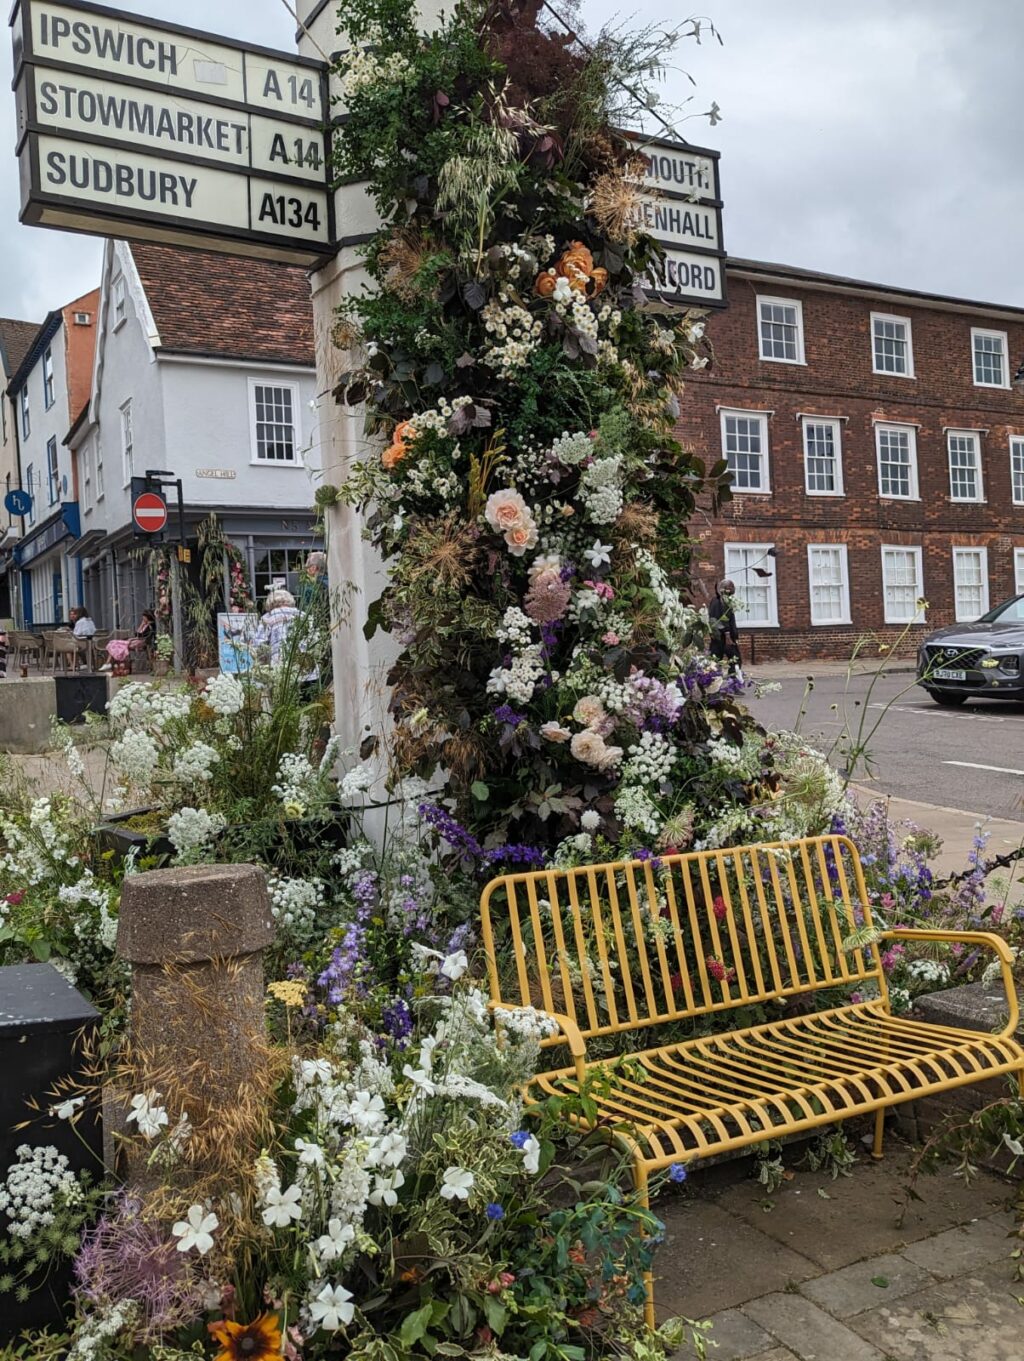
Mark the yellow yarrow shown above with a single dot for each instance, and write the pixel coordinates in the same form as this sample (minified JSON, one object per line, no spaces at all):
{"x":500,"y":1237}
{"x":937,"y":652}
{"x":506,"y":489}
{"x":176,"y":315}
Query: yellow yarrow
{"x":289,"y":991}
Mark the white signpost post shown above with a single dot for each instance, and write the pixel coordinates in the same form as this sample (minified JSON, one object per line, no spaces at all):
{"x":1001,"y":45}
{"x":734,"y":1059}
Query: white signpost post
{"x":157,"y":132}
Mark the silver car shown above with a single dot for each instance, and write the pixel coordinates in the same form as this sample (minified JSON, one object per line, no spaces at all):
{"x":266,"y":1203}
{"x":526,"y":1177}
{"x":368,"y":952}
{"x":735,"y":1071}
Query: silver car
{"x":984,"y":660}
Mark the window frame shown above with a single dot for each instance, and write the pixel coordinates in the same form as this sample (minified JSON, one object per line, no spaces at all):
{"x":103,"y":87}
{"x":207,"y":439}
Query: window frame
{"x":837,"y":440}
{"x":915,"y":486}
{"x":1014,"y":498}
{"x":919,"y":616}
{"x":30,"y":473}
{"x":98,"y":466}
{"x":119,"y":293}
{"x":297,"y":460}
{"x":127,"y":442}
{"x":975,"y":435}
{"x":1004,"y":337}
{"x":26,"y":417}
{"x":908,"y":324}
{"x":1018,"y":571}
{"x":49,"y":388}
{"x":795,"y":303}
{"x":760,"y":550}
{"x":52,"y":471}
{"x":765,"y":489}
{"x":85,"y":467}
{"x":959,"y":550}
{"x":844,"y":584}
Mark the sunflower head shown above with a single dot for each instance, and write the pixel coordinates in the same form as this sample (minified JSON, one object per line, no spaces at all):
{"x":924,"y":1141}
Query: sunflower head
{"x":256,"y":1341}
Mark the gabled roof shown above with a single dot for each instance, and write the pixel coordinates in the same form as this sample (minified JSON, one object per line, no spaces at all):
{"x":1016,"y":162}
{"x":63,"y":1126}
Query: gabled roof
{"x":223,"y":307}
{"x":15,"y":342}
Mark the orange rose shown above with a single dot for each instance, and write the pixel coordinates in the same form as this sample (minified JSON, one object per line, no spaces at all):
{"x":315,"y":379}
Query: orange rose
{"x":393,"y":455}
{"x":403,"y":432}
{"x":577,"y":259}
{"x":545,"y":285}
{"x":599,"y":281}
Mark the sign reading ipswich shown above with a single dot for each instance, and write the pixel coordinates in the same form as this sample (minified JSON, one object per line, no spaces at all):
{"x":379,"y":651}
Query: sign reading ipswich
{"x":156,"y":132}
{"x":682,"y":210}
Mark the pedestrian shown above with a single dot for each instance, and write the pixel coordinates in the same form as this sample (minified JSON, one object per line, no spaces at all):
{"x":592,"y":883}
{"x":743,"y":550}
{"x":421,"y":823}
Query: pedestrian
{"x":282,"y":630}
{"x":313,"y":580}
{"x":145,"y":633}
{"x":725,"y":636}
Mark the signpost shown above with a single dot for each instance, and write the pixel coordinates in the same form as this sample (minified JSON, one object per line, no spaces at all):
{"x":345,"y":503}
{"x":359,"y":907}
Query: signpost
{"x":18,"y":502}
{"x":149,"y":131}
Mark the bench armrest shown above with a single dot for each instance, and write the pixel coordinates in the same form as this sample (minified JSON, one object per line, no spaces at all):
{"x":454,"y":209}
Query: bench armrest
{"x":568,"y":1027}
{"x":990,"y":941}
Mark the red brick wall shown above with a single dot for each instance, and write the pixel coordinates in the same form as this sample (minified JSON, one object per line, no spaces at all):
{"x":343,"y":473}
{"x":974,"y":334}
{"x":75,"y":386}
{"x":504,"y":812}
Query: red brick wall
{"x":838,"y":381}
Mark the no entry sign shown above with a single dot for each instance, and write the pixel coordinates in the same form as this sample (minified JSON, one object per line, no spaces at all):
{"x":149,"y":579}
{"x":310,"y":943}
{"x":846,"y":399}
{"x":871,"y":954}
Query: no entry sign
{"x":150,"y":512}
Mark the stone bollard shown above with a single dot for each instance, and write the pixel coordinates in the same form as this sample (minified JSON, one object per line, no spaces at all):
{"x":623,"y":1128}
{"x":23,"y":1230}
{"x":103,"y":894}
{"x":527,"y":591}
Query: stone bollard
{"x":194,"y":938}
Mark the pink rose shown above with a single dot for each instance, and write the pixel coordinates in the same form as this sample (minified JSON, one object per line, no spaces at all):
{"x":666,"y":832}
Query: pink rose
{"x":610,"y":639}
{"x":554,"y":732}
{"x":506,"y":510}
{"x":589,"y":747}
{"x":589,"y":711}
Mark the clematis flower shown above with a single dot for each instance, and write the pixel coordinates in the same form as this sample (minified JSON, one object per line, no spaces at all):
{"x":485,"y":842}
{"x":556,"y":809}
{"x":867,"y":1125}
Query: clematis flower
{"x":385,"y":1189}
{"x":148,"y":1116}
{"x":599,"y":554}
{"x":332,"y":1308}
{"x":196,"y":1230}
{"x":531,"y":1155}
{"x":281,"y":1207}
{"x":331,"y":1245}
{"x":310,"y":1154}
{"x":455,"y":965}
{"x":457,"y":1183}
{"x":256,"y":1341}
{"x":67,"y":1109}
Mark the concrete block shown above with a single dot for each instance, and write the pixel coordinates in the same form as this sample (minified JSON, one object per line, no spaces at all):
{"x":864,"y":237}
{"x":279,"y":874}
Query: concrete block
{"x":960,"y":1251}
{"x":857,"y":1288}
{"x":27,"y":709}
{"x":736,"y":1337}
{"x":808,"y":1331}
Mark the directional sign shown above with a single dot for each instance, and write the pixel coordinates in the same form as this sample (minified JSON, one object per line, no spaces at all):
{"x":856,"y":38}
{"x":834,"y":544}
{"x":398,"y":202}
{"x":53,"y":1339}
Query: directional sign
{"x":150,"y":512}
{"x":18,"y":502}
{"x":157,"y":132}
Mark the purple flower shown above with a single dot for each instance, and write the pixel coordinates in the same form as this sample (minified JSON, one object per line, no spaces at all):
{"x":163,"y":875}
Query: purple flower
{"x":398,"y":1021}
{"x":506,"y":714}
{"x":515,"y":855}
{"x":677,"y":1172}
{"x":495,"y":1211}
{"x":451,"y":831}
{"x":519,"y":1138}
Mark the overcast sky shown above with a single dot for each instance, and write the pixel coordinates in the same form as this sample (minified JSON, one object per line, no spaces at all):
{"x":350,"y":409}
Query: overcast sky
{"x":879,"y":140}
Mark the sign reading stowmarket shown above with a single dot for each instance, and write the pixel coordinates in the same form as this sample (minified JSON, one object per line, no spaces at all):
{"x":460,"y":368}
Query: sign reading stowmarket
{"x":156,"y":132}
{"x":681,"y":207}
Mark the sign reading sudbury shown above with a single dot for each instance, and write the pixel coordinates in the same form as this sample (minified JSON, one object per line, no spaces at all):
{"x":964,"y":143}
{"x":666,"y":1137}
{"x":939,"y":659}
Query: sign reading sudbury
{"x":142,"y":130}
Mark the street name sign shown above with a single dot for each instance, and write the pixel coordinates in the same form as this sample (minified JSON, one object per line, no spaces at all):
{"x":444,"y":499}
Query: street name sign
{"x":149,"y":131}
{"x":681,"y":207}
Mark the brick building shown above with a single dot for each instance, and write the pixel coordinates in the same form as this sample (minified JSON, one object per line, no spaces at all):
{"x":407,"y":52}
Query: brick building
{"x":876,"y":440}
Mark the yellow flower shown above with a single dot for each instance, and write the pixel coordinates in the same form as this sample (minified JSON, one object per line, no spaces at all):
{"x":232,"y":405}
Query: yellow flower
{"x":294,"y":809}
{"x":256,"y":1341}
{"x":289,"y":991}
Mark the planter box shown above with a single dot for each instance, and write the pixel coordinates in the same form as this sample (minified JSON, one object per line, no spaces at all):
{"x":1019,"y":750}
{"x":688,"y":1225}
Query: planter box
{"x":305,"y":834}
{"x":113,"y":835}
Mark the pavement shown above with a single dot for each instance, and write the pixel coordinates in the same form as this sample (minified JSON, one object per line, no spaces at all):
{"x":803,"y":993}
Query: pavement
{"x":822,"y":1271}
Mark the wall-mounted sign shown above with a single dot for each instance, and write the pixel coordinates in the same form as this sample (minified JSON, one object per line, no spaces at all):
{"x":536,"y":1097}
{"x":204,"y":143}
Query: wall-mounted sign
{"x":153,"y":131}
{"x":220,"y":474}
{"x":682,"y":209}
{"x":17,"y":502}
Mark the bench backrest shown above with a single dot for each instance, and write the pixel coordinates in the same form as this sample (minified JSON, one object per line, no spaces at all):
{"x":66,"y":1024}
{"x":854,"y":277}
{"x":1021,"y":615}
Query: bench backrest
{"x":636,"y":943}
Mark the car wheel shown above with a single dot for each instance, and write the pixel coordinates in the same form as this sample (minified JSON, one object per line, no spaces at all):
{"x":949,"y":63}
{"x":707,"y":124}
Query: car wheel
{"x":949,"y":699}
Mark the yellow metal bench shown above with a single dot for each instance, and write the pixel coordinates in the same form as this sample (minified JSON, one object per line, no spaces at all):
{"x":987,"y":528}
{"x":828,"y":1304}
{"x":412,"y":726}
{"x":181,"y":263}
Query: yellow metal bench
{"x":623,"y":948}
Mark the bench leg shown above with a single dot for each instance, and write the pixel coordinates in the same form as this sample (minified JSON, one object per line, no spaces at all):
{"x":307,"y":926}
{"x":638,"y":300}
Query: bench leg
{"x":876,"y":1151}
{"x":643,"y":1196}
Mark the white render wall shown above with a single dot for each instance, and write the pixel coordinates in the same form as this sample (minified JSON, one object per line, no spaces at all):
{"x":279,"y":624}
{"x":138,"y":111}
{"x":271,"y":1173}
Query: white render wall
{"x":43,"y":425}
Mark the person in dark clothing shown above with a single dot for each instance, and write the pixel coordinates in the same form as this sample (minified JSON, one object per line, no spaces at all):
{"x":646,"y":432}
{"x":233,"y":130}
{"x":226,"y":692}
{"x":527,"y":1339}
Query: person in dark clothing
{"x":725,"y":636}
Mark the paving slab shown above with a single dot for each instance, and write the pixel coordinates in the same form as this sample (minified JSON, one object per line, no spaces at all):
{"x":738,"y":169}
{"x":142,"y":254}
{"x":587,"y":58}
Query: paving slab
{"x":966,"y":1248}
{"x":858,"y":1218}
{"x":712,"y":1260}
{"x":776,"y":1354}
{"x":865,"y":1285}
{"x":737,"y":1337}
{"x":975,"y":1318}
{"x":808,"y":1331}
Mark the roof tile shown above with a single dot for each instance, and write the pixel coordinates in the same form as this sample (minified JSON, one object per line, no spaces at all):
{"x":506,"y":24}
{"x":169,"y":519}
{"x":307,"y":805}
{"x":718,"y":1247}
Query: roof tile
{"x":225,"y":306}
{"x":16,"y":339}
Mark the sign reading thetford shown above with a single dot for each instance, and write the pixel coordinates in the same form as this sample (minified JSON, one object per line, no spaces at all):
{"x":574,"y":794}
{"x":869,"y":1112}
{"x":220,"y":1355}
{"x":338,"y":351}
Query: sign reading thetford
{"x":153,"y":131}
{"x":681,"y":207}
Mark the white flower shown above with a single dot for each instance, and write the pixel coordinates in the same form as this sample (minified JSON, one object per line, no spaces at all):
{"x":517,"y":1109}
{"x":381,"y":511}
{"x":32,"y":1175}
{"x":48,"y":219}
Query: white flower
{"x":531,"y":1156}
{"x":332,"y":1309}
{"x":590,"y":821}
{"x":211,"y":1293}
{"x":356,"y":780}
{"x":148,"y":1116}
{"x":196,"y":1230}
{"x":387,"y":1151}
{"x":554,"y":732}
{"x":331,"y":1245}
{"x":225,"y":695}
{"x":366,"y":1111}
{"x":419,"y":1077}
{"x":191,"y":830}
{"x":281,"y":1207}
{"x":310,"y":1155}
{"x":455,"y":965}
{"x":457,"y":1183}
{"x":67,"y":1109}
{"x":315,"y":1070}
{"x":385,"y":1189}
{"x":599,"y":554}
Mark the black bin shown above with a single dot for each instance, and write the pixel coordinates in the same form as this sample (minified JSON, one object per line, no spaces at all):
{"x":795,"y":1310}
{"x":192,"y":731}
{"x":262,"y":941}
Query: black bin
{"x":80,"y":695}
{"x":44,"y":1023}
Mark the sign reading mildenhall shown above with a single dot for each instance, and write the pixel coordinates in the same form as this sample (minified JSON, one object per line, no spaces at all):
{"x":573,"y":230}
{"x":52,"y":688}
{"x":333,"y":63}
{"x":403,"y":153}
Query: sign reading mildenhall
{"x":153,"y":131}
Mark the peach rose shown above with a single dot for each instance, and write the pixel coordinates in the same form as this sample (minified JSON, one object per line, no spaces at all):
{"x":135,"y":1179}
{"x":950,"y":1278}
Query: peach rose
{"x":545,"y":285}
{"x":506,"y":510}
{"x":599,"y":281}
{"x":610,"y":758}
{"x":522,"y":537}
{"x":589,"y":748}
{"x":589,"y":711}
{"x":554,"y":732}
{"x":393,"y":455}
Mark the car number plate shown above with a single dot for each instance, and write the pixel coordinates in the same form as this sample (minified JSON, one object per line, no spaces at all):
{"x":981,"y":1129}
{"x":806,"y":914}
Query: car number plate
{"x":943,"y":673}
